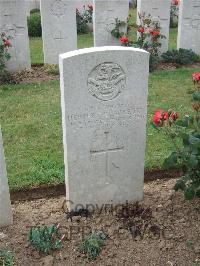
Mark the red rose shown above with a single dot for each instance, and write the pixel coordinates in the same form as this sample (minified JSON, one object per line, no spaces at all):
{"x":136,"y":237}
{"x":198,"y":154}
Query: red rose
{"x":176,"y":2}
{"x":165,"y":116}
{"x":141,"y":30}
{"x":124,"y":40}
{"x":6,"y":42}
{"x":157,"y":118}
{"x":196,"y":77}
{"x":160,"y":117}
{"x":90,"y":7}
{"x":155,"y":33}
{"x":174,"y":116}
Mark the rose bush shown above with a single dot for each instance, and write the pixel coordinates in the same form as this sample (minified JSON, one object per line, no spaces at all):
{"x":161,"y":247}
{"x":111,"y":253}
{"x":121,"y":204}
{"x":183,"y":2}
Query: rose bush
{"x":5,"y":44}
{"x":83,"y":18}
{"x":185,"y":136}
{"x":149,"y":36}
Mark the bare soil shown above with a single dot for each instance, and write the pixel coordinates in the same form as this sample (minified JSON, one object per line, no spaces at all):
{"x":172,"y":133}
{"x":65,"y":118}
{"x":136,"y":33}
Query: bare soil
{"x":173,"y":66}
{"x":169,"y":231}
{"x":37,"y":74}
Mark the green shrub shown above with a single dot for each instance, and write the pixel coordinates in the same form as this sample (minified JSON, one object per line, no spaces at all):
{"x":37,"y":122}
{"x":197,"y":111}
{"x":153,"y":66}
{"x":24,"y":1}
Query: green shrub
{"x":6,"y":258}
{"x":81,"y":23}
{"x":44,"y":239}
{"x":34,"y":25}
{"x":185,"y":137}
{"x":5,"y":77}
{"x":181,"y":56}
{"x":153,"y":62}
{"x":92,"y":245}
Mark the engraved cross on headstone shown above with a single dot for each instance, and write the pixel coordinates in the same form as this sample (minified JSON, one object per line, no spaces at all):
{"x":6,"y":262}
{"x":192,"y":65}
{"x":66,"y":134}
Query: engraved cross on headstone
{"x":105,"y":143}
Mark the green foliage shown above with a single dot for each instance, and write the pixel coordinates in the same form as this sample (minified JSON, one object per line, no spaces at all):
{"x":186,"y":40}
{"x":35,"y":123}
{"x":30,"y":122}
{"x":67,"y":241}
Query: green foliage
{"x":82,"y":20}
{"x":117,"y":31}
{"x":5,"y":77}
{"x":34,"y":24}
{"x":153,"y":62}
{"x":181,"y":56}
{"x":174,"y":16}
{"x":92,"y":245}
{"x":44,"y":239}
{"x":6,"y":258}
{"x":196,"y":96}
{"x":187,"y":156}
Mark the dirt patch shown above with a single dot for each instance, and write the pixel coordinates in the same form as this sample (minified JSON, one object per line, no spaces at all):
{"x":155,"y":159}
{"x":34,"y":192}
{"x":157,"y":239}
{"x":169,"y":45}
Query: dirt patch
{"x":177,"y":242}
{"x":173,"y":66}
{"x":37,"y":74}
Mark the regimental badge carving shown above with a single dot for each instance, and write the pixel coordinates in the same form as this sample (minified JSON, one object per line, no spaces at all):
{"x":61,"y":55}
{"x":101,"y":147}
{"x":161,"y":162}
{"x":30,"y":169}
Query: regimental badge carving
{"x":106,"y":81}
{"x":58,"y":8}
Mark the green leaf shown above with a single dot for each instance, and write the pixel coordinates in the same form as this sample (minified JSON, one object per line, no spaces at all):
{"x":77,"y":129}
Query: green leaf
{"x":189,"y":193}
{"x":180,"y":185}
{"x":194,"y":141}
{"x":196,"y":96}
{"x":192,"y":161}
{"x":171,"y":161}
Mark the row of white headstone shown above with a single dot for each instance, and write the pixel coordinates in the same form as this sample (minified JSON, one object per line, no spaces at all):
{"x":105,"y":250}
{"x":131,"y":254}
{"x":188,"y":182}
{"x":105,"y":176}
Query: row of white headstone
{"x":104,"y":109}
{"x":60,"y":33}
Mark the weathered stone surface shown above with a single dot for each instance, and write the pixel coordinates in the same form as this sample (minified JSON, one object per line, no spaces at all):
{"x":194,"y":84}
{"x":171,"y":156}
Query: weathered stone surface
{"x":5,"y":206}
{"x":104,"y":102}
{"x":160,"y":11}
{"x":13,"y":21}
{"x":105,"y":13}
{"x":58,"y":28}
{"x":189,"y":25}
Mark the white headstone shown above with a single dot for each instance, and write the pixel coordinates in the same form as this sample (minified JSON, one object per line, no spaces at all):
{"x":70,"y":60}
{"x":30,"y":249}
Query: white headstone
{"x":32,"y":4}
{"x":189,"y":25}
{"x":5,"y":205}
{"x":159,"y":11}
{"x":58,"y":28}
{"x":13,"y":21}
{"x":105,"y":13}
{"x":104,"y":105}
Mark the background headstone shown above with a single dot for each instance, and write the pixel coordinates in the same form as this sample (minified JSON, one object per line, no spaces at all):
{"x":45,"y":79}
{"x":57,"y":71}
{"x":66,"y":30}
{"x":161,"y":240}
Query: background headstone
{"x":159,"y":11}
{"x":189,"y":25}
{"x":13,"y":21}
{"x":5,"y":205}
{"x":32,"y":4}
{"x":104,"y":105}
{"x":58,"y":28}
{"x":105,"y":13}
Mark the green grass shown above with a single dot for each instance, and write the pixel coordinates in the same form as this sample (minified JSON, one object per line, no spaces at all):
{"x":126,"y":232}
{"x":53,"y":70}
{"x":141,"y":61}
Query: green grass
{"x":30,"y":116}
{"x":37,"y":57}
